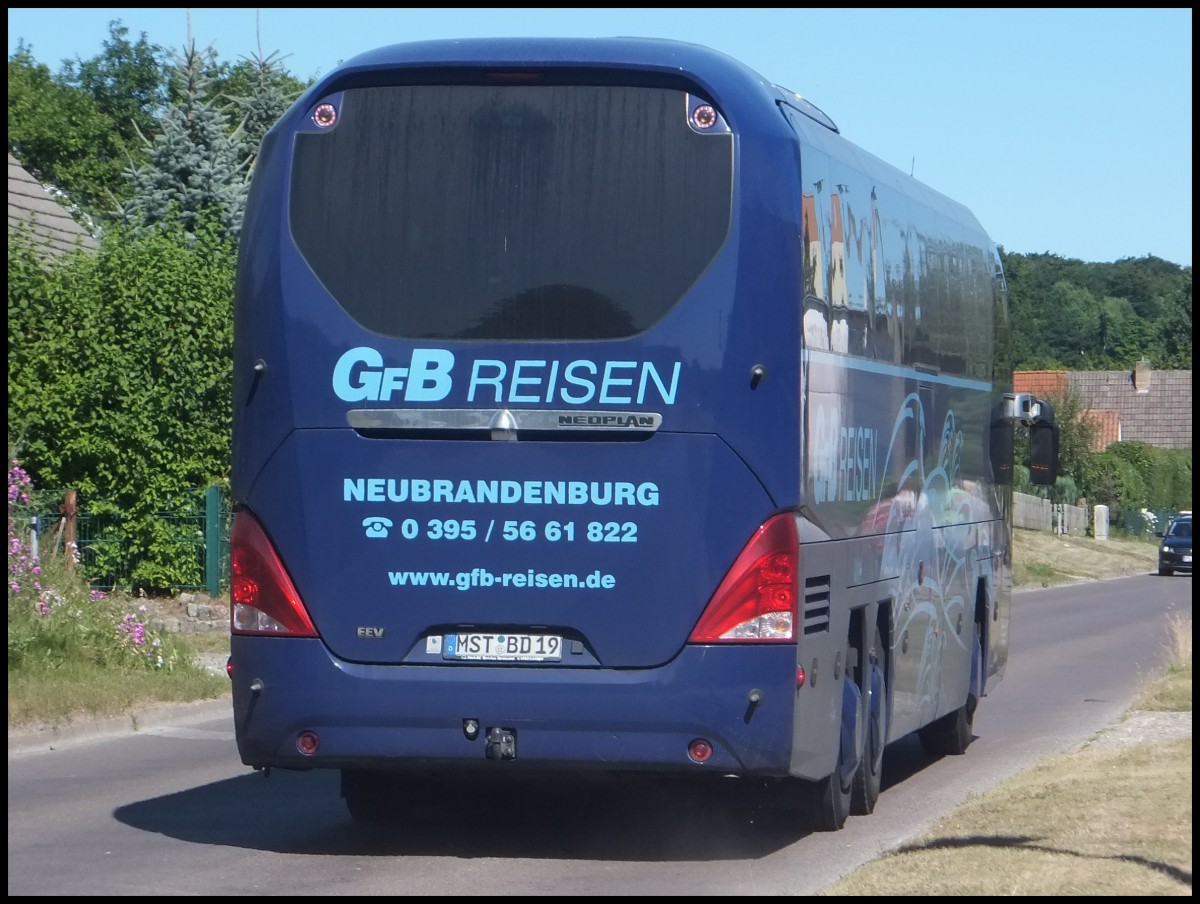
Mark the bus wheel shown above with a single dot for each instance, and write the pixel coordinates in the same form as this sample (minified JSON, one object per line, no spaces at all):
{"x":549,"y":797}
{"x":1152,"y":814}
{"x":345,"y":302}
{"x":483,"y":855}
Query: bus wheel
{"x":952,"y":733}
{"x":869,"y":777}
{"x":829,"y":798}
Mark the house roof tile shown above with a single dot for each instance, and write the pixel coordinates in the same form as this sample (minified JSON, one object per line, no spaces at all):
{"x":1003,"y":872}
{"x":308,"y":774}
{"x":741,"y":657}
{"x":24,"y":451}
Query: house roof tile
{"x":30,"y":205}
{"x":1156,"y":410}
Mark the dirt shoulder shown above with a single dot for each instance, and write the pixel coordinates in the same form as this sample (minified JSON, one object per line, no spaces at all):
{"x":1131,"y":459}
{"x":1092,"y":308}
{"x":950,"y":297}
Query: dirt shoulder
{"x":1044,"y":559}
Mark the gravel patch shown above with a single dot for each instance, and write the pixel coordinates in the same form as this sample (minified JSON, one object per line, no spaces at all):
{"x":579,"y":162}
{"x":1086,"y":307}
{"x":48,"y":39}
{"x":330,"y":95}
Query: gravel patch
{"x":1141,"y":726}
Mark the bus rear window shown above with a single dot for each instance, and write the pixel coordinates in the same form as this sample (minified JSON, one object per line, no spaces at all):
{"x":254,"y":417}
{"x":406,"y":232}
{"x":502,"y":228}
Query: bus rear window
{"x":510,"y":212}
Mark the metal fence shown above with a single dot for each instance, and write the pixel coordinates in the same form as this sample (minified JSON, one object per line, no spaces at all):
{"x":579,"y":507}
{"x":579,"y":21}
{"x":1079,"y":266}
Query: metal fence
{"x":1144,"y":524}
{"x":197,"y":538}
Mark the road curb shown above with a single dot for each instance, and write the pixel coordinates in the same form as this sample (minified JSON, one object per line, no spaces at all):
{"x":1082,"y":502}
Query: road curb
{"x":46,"y":738}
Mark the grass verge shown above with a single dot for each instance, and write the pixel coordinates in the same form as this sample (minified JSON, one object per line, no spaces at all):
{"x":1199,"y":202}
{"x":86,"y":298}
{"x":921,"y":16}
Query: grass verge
{"x":1044,"y":559}
{"x":1105,"y":820}
{"x":43,"y":697}
{"x":76,"y":653}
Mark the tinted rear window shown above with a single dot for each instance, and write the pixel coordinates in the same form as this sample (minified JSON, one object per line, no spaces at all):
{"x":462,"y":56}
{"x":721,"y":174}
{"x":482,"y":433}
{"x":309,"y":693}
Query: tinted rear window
{"x":510,"y":212}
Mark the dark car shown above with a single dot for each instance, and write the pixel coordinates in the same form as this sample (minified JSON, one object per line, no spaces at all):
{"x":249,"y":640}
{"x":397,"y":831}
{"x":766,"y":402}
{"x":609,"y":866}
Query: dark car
{"x":1175,"y":550}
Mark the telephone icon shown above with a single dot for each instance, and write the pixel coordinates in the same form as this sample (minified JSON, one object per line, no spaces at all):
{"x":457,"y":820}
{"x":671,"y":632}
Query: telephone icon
{"x":377,"y":527}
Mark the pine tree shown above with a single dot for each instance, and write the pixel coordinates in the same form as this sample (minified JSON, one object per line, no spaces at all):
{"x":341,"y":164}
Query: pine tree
{"x":198,"y":160}
{"x":262,"y":89}
{"x":271,"y":92}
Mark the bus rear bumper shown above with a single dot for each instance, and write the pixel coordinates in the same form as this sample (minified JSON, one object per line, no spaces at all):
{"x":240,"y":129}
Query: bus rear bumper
{"x":738,"y":699}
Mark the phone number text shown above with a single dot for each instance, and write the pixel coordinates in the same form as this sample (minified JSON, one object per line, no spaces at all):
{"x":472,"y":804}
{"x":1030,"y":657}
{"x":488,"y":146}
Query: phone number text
{"x":519,"y":531}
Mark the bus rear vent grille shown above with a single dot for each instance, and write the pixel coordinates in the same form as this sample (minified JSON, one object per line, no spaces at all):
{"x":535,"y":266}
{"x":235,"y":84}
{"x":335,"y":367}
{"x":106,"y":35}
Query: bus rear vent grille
{"x":816,"y":605}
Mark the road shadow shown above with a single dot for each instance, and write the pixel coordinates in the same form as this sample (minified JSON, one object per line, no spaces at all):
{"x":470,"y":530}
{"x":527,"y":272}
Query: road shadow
{"x":600,"y":818}
{"x":905,"y":758}
{"x":633,"y":818}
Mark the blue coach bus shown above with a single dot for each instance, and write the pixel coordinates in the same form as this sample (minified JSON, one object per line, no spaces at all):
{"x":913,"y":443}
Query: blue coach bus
{"x":599,"y":407}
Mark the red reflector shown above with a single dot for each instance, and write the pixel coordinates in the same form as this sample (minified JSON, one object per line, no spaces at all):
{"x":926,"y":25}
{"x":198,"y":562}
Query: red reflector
{"x":307,"y":743}
{"x":800,"y":676}
{"x":700,"y":751}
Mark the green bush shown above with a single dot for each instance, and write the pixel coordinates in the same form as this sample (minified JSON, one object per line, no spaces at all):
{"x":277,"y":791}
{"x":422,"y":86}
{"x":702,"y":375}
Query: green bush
{"x":1171,"y":488}
{"x":1134,"y":476}
{"x":119,"y":380}
{"x":1109,"y":479}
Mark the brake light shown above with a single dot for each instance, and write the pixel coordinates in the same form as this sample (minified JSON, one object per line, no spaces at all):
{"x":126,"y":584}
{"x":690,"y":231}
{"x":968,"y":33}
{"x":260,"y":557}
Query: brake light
{"x":756,"y":602}
{"x":263,"y":598}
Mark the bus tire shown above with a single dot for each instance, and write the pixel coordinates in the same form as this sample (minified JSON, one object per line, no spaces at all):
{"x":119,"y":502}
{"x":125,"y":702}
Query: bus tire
{"x":868,"y":780}
{"x":829,"y":798}
{"x":829,"y":804}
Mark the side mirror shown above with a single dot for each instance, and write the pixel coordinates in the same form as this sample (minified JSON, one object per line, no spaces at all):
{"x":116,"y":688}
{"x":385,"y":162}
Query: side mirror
{"x":1038,"y":415}
{"x":1043,"y":446}
{"x":1043,"y":454}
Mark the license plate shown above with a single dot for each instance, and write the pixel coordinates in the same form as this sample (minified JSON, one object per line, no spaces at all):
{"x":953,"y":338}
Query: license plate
{"x":1187,"y":559}
{"x":482,"y":647}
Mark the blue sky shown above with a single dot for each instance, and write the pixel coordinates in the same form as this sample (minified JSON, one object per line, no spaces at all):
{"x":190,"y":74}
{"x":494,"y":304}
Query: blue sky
{"x":1066,"y":131}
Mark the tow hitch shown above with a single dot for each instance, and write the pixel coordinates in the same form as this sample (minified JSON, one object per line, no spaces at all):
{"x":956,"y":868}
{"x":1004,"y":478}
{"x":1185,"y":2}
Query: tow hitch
{"x":501,"y":744}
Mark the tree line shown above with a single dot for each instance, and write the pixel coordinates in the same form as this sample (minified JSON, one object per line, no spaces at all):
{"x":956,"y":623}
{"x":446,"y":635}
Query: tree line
{"x":119,"y":382}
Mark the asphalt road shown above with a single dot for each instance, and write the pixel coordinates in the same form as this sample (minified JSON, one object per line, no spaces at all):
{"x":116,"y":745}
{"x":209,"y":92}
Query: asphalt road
{"x":169,"y":809}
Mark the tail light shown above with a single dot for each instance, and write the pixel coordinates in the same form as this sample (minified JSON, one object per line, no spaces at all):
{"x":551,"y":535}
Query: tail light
{"x":756,"y":601}
{"x":264,"y":600}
